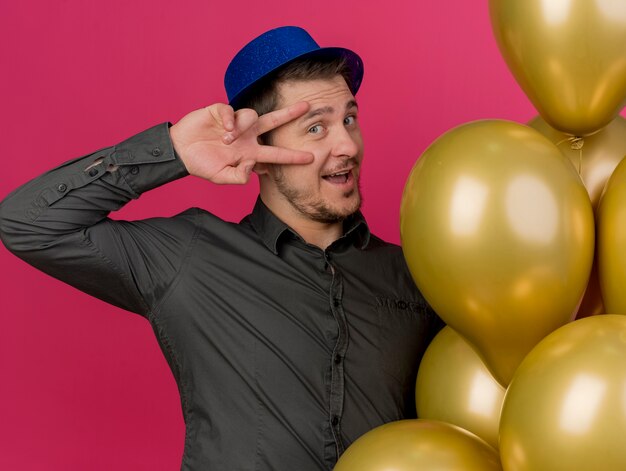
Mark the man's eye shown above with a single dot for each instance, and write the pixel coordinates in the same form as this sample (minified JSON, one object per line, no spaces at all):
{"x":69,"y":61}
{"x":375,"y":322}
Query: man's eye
{"x":348,"y":120}
{"x":315,"y":129}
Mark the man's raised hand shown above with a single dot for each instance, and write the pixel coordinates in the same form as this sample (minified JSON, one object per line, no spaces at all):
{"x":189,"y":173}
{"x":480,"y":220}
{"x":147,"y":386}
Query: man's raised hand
{"x":221,"y":145}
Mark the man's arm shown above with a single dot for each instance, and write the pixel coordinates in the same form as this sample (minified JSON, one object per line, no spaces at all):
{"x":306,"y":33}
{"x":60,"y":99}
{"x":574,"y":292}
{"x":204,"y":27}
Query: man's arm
{"x":58,"y":221}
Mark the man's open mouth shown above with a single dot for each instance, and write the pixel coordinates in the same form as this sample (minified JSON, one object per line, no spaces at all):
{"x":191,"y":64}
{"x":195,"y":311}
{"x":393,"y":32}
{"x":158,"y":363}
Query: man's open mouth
{"x":339,"y":177}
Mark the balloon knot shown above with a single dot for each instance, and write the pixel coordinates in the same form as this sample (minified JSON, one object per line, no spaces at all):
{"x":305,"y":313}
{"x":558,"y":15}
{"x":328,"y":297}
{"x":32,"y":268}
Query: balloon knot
{"x":577,"y":143}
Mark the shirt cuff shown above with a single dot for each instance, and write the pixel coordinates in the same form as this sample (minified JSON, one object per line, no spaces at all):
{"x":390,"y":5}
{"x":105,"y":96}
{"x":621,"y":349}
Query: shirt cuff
{"x":147,"y":160}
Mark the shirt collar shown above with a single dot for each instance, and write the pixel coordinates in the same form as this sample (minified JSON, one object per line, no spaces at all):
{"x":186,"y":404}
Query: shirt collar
{"x":270,"y":228}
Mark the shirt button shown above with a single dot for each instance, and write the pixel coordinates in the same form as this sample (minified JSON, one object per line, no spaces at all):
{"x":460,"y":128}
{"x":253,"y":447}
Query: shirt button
{"x":337,"y":358}
{"x":156,"y":151}
{"x":134,"y":170}
{"x":335,"y":420}
{"x":93,"y":172}
{"x":336,"y":302}
{"x":62,"y":188}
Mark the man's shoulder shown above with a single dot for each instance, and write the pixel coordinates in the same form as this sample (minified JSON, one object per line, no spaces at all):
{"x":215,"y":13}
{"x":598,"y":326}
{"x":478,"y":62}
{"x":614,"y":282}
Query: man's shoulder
{"x":386,"y":253}
{"x":197,"y":215}
{"x":201,"y":219}
{"x":376,"y":243}
{"x":206,"y":222}
{"x":190,"y":219}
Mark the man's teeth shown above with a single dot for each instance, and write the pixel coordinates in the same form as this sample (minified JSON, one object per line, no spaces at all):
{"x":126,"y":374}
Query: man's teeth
{"x":339,"y":177}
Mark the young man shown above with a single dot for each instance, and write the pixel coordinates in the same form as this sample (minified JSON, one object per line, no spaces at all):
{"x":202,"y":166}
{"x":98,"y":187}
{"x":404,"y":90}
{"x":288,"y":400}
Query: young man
{"x":289,"y":334}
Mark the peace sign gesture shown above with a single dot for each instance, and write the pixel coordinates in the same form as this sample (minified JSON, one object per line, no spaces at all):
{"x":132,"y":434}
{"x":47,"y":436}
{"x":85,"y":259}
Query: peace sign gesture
{"x":221,"y":145}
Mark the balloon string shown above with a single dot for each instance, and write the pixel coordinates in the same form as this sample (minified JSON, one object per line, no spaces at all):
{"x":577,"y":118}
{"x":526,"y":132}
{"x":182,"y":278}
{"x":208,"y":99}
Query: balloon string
{"x":576,"y":143}
{"x":580,"y":161}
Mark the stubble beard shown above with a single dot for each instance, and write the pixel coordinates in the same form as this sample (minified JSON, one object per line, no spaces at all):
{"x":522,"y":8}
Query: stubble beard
{"x":316,"y":209}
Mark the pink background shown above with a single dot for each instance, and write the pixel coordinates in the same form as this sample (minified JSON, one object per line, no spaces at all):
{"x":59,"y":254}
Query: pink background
{"x":83,"y":384}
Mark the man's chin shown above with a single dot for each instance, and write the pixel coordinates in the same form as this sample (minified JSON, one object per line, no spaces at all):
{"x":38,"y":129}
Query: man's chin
{"x":330,"y":216}
{"x":322,"y":211}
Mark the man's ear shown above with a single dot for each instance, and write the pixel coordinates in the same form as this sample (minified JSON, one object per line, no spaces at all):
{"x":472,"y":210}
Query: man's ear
{"x":261,"y":168}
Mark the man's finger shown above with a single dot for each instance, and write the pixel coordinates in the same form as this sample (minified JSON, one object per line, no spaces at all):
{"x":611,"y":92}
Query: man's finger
{"x":280,"y":155}
{"x":238,"y":175}
{"x":227,"y":116}
{"x":277,"y":118}
{"x":245,"y":118}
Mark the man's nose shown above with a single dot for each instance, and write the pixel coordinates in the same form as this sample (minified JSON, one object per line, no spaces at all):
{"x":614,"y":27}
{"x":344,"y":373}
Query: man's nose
{"x":345,"y":143}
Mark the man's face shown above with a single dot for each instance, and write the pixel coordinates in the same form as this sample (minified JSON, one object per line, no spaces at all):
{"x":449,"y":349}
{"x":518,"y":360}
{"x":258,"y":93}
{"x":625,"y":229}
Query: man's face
{"x":326,"y":190}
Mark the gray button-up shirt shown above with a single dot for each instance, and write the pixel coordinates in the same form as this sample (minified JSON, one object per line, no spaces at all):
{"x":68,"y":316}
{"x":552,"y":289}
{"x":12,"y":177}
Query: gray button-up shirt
{"x":283,"y":353}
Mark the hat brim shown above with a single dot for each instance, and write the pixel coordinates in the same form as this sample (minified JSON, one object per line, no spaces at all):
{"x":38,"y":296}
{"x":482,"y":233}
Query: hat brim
{"x":353,"y":61}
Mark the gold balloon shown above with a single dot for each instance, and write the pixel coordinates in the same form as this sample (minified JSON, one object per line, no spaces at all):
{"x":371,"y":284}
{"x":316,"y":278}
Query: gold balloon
{"x":427,"y":445}
{"x":594,"y":157}
{"x":611,"y":228}
{"x":569,"y":57}
{"x":454,"y":385}
{"x":565,"y":408}
{"x":498,"y":232}
{"x":592,"y":303}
